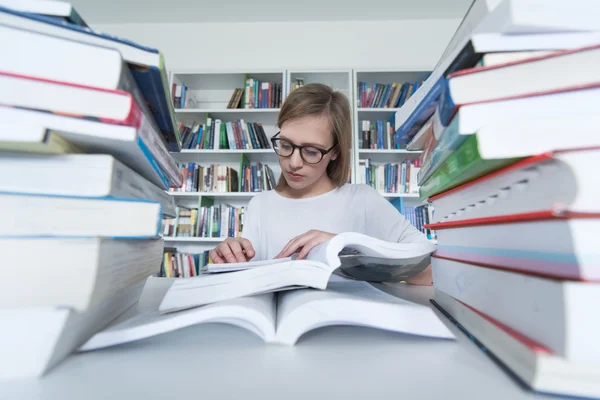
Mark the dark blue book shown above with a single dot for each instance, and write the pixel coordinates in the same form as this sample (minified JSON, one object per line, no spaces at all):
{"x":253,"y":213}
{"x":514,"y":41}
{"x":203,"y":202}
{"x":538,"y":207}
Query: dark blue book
{"x":146,"y":64}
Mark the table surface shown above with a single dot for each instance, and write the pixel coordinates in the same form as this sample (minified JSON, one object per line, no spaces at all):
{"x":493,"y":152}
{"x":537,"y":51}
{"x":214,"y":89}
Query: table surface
{"x":217,"y":361}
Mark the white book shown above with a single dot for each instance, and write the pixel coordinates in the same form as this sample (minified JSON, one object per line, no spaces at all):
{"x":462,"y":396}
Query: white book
{"x":31,"y":215}
{"x":35,"y":339}
{"x":536,"y":365}
{"x":284,"y":317}
{"x":75,"y":273}
{"x":130,"y":52}
{"x":78,"y":175}
{"x":88,"y":64}
{"x":498,"y":58}
{"x":529,"y":186}
{"x":558,"y":70}
{"x":487,"y":118}
{"x":314,"y":271}
{"x":123,"y":142}
{"x":541,"y":243}
{"x":542,"y":16}
{"x":560,"y":315}
{"x":108,"y":106}
{"x":54,"y":8}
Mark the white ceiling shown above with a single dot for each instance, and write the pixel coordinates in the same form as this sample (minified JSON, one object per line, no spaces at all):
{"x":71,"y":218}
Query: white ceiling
{"x":151,"y":11}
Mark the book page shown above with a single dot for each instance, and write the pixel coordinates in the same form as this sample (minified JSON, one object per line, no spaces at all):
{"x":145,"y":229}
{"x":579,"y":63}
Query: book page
{"x":256,"y":314}
{"x":347,"y":302}
{"x":231,"y":267}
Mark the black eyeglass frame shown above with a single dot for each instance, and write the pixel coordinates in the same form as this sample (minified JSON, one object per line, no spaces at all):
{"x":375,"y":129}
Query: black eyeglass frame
{"x":294,"y":147}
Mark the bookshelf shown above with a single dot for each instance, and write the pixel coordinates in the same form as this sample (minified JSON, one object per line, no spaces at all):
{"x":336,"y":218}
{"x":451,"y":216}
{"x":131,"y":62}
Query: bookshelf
{"x":208,"y":94}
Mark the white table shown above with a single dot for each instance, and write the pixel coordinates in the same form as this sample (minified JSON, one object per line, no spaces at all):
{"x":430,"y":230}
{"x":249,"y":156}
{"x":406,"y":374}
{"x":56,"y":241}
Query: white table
{"x":214,"y":361}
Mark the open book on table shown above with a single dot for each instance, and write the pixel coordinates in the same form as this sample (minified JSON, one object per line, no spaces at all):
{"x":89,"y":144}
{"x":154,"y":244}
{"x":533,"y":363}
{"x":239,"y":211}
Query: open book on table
{"x":274,"y":275}
{"x":280,"y":317}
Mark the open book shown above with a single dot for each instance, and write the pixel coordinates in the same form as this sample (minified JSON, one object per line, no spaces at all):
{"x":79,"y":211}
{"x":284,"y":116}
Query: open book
{"x":267,"y":276}
{"x":281,"y":317}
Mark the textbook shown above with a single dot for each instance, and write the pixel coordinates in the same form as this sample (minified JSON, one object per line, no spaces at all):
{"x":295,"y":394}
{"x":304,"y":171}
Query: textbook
{"x":123,"y":142}
{"x":314,"y":271}
{"x":147,"y":65}
{"x":285,"y":316}
{"x":31,"y":215}
{"x":35,"y":339}
{"x":560,"y":315}
{"x":78,"y":175}
{"x":107,"y":106}
{"x":534,"y":364}
{"x":76,"y":273}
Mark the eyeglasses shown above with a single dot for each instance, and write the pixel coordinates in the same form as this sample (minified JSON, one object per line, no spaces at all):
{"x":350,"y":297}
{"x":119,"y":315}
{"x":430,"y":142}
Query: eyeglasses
{"x":310,"y":154}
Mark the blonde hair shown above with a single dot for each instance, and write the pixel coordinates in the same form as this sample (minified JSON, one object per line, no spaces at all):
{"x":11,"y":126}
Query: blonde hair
{"x":317,"y":99}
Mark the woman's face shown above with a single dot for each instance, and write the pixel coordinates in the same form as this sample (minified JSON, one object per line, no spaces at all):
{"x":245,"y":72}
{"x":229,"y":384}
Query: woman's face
{"x":307,"y":131}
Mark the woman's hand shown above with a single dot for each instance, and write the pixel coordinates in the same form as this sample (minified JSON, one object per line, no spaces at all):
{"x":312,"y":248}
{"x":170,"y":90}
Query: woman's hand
{"x":232,"y":250}
{"x":423,"y":278}
{"x":307,"y":241}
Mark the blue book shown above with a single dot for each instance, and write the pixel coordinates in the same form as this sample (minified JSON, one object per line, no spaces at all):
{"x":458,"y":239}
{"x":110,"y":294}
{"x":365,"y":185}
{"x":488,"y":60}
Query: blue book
{"x":146,"y":64}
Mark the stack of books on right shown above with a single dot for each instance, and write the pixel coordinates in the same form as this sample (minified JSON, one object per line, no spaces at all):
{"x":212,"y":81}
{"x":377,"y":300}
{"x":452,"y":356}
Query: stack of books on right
{"x":517,"y":209}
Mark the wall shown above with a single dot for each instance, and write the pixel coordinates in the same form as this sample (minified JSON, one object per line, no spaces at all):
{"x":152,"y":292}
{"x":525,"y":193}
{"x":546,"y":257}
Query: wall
{"x":405,"y":44}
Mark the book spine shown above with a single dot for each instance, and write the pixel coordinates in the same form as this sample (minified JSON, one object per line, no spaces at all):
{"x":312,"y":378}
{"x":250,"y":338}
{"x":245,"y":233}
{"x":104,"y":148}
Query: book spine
{"x":449,"y":142}
{"x":464,"y":165}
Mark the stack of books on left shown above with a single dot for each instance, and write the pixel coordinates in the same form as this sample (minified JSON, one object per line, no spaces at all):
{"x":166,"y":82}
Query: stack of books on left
{"x":84,"y":165}
{"x":517,"y":209}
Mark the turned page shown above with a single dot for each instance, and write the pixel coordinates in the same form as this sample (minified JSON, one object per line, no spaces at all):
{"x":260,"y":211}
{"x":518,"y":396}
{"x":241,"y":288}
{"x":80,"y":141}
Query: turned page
{"x":257,"y":314}
{"x":347,"y":302}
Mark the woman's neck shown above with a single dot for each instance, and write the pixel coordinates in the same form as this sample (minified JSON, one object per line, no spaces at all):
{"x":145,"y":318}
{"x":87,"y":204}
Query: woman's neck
{"x":321,"y":186}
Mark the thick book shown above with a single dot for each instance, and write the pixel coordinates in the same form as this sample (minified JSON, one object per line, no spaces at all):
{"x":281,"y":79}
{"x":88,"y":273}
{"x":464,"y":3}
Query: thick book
{"x":123,"y":142}
{"x":314,"y":271}
{"x":527,"y":125}
{"x":514,"y":79}
{"x":76,"y":273}
{"x":24,"y":138}
{"x":546,"y":243}
{"x":285,"y":316}
{"x":465,"y":50}
{"x":35,"y":339}
{"x":55,"y":9}
{"x":69,"y":61}
{"x":557,"y":314}
{"x":146,"y":64}
{"x":542,"y":16}
{"x":532,"y":363}
{"x":103,"y":105}
{"x":463,"y":165}
{"x":78,"y":175}
{"x":31,"y":215}
{"x":529,"y":186}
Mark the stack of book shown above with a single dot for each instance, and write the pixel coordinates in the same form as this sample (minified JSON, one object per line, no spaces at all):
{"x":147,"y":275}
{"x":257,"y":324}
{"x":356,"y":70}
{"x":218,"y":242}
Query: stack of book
{"x":182,"y":265}
{"x":220,"y":221}
{"x":213,"y":178}
{"x":390,"y":177}
{"x":391,"y":95}
{"x":509,"y":167}
{"x":259,"y":94}
{"x":83,"y":172}
{"x":217,"y":134}
{"x":377,"y":135}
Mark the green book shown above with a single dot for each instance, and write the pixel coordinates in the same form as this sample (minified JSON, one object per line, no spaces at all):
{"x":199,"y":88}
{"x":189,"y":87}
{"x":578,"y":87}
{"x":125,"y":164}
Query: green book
{"x":462,"y":166}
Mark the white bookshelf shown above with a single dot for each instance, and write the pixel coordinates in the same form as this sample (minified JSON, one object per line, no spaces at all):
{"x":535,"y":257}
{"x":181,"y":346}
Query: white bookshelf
{"x":208,"y":95}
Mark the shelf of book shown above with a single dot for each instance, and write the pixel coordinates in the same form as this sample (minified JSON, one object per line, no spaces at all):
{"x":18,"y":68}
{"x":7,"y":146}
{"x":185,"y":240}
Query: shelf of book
{"x":231,"y":195}
{"x":209,"y":95}
{"x":193,"y":239}
{"x":377,"y":110}
{"x":225,"y":110}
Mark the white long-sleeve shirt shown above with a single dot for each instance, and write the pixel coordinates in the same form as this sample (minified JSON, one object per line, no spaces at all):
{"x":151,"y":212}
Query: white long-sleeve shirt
{"x":272,"y":220}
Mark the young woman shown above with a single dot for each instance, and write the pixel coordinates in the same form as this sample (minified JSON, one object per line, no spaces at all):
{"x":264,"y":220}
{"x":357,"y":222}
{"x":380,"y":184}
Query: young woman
{"x":312,"y":201}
